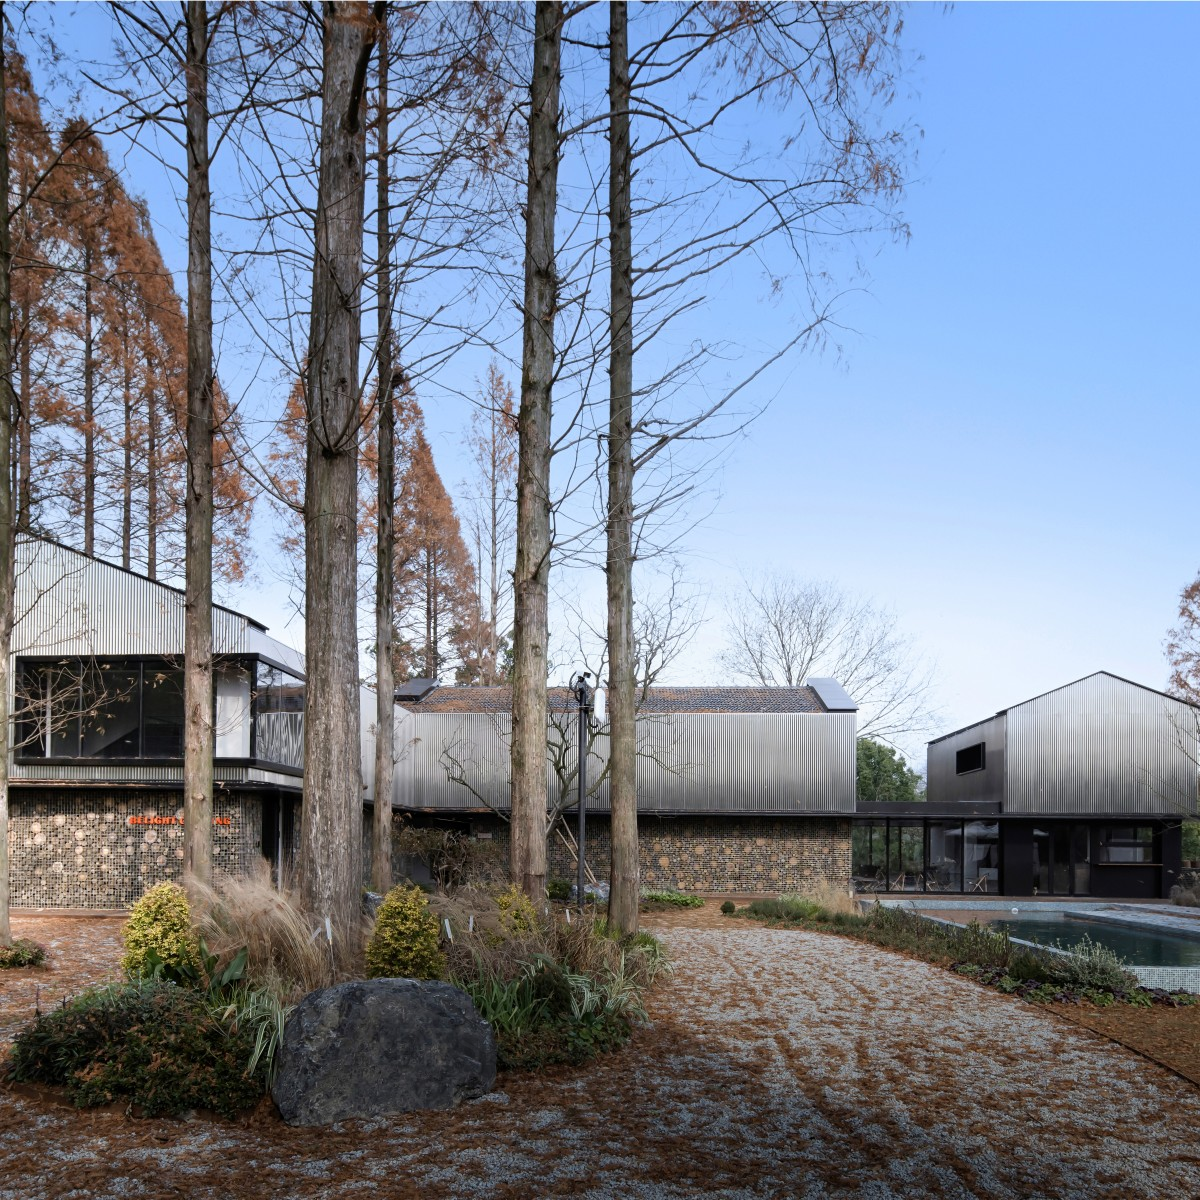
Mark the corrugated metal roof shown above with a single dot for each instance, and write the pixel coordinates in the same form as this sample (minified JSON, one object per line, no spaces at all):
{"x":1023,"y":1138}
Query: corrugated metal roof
{"x":1062,"y":687}
{"x":657,"y":700}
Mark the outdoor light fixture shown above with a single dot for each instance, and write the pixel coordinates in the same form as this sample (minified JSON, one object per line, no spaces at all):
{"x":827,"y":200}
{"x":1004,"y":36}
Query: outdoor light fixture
{"x":583,"y":703}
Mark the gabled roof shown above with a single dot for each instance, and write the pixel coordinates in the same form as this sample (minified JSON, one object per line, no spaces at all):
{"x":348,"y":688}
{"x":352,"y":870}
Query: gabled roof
{"x":1062,"y":687}
{"x":657,"y":700}
{"x":138,"y":575}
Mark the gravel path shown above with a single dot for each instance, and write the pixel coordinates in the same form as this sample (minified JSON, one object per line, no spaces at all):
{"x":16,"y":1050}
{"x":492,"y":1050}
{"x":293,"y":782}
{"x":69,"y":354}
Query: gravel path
{"x":779,"y":1064}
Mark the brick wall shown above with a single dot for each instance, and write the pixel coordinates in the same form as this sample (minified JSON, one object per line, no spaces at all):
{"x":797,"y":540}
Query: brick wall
{"x":93,"y":848}
{"x":736,"y":855}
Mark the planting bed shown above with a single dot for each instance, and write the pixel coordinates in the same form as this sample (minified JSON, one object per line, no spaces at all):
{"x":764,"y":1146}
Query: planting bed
{"x":779,"y":1063}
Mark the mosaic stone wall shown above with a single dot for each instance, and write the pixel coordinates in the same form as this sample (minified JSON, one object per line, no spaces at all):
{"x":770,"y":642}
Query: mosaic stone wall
{"x":736,"y":855}
{"x":81,"y":848}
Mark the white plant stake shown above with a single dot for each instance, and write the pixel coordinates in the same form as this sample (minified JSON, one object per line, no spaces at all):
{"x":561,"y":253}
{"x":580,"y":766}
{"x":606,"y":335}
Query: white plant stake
{"x":471,"y":923}
{"x":568,"y":916}
{"x":446,"y":923}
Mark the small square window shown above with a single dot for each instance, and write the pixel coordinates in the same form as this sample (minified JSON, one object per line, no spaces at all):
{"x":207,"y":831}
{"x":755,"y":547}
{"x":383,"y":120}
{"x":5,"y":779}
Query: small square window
{"x":968,"y":759}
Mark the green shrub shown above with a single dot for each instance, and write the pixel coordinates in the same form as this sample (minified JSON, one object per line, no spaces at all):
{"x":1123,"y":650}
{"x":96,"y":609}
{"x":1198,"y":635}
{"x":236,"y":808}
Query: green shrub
{"x":1090,"y":966}
{"x":22,"y":953}
{"x":671,"y":897}
{"x":159,"y":930}
{"x":728,"y":907}
{"x":559,"y":992}
{"x":152,"y":1043}
{"x":559,"y":889}
{"x":404,"y":943}
{"x":785,"y":908}
{"x":517,"y":915}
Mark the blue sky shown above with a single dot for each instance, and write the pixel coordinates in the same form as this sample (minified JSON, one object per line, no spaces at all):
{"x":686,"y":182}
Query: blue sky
{"x":1003,"y":453}
{"x":1002,"y":450}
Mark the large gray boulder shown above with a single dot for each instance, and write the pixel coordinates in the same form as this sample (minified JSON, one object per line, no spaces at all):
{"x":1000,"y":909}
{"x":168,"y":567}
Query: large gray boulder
{"x":380,"y":1046}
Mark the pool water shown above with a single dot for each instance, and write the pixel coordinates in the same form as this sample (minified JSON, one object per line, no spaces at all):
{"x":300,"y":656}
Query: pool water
{"x":1138,"y":947}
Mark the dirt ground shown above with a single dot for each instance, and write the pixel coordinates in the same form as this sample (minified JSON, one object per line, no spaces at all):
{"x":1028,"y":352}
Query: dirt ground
{"x":778,"y":1063}
{"x":80,"y":951}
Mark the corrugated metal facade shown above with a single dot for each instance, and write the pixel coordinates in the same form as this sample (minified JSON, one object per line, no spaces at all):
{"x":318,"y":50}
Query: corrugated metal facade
{"x":687,"y":763}
{"x":65,"y":604}
{"x":1101,"y":745}
{"x":944,"y":784}
{"x":73,"y":606}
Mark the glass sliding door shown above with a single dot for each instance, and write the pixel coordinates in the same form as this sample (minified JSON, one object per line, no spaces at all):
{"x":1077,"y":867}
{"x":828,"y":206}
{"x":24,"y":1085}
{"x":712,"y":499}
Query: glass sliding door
{"x":981,"y":855}
{"x":906,"y":858}
{"x":1081,"y":861}
{"x":944,"y":866}
{"x":868,"y":843}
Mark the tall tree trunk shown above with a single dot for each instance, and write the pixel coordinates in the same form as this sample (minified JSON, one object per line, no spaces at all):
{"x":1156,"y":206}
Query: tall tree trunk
{"x":532,"y":571}
{"x":25,"y":434}
{"x":7,"y":541}
{"x":152,"y":483}
{"x":494,"y":555}
{"x":127,"y":465}
{"x":89,"y":415}
{"x":197,"y":646}
{"x":385,"y":677}
{"x":331,"y":816}
{"x":624,"y":882}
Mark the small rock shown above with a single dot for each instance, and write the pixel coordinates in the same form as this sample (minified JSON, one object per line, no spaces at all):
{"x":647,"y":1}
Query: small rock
{"x":380,"y":1046}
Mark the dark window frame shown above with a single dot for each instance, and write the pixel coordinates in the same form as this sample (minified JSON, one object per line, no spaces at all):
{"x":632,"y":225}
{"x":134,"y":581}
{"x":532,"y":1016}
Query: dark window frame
{"x":959,"y":769}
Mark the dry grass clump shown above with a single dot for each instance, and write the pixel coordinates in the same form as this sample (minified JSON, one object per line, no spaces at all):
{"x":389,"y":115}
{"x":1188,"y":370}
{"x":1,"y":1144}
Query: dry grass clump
{"x":829,"y":896}
{"x":285,"y":957}
{"x":554,"y":989}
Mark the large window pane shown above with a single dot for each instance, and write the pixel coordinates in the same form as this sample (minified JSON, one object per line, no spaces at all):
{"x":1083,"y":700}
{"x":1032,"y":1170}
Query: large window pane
{"x":279,"y":717}
{"x":944,"y":871}
{"x":46,"y":700}
{"x":906,"y":862}
{"x":162,"y":712}
{"x":1126,"y":844}
{"x":981,"y":856}
{"x":110,"y":712}
{"x":1041,"y":862}
{"x":869,"y":856}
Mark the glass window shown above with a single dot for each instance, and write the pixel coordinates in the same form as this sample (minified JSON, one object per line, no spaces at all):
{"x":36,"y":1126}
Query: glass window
{"x":981,"y":856}
{"x":46,"y":705}
{"x":110,"y":712}
{"x":278,"y":691}
{"x":868,"y":843}
{"x":279,"y":717}
{"x":944,"y":870}
{"x":969,"y":758}
{"x":906,"y":860}
{"x":1126,"y":844}
{"x":162,"y":712}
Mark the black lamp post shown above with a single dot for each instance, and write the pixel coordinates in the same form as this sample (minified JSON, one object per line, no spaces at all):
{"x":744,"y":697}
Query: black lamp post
{"x":583,"y":703}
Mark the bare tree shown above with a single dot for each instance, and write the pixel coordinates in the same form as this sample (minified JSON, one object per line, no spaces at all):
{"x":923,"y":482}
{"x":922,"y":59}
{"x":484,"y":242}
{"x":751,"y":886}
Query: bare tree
{"x":625,"y":878}
{"x":1183,"y":645}
{"x":492,"y":442}
{"x":7,"y":526}
{"x":331,"y":817}
{"x":198,"y":554}
{"x":782,"y":630}
{"x":698,"y":68}
{"x":385,"y":576}
{"x":532,"y":572}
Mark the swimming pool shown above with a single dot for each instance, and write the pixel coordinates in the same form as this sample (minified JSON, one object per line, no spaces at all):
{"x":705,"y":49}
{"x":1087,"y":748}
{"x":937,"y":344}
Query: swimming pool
{"x":1138,"y":947}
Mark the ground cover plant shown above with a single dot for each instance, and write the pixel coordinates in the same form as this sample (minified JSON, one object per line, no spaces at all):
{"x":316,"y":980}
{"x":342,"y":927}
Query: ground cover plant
{"x":22,"y":953}
{"x":555,"y":988}
{"x":653,"y":898}
{"x":1085,"y":972}
{"x":189,"y":1027}
{"x":150,"y":1042}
